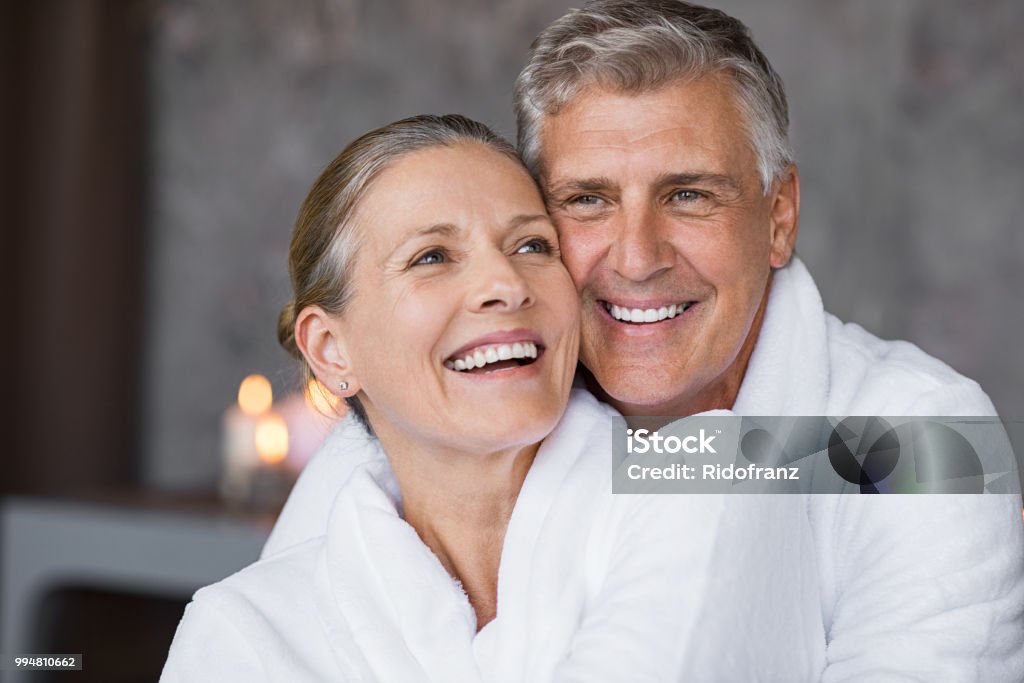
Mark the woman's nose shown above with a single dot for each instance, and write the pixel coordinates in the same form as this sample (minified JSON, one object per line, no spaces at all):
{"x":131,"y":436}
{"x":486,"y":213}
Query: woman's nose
{"x":498,"y":285}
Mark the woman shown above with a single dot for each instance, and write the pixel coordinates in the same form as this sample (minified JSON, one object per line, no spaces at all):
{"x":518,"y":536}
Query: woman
{"x":478,"y":540}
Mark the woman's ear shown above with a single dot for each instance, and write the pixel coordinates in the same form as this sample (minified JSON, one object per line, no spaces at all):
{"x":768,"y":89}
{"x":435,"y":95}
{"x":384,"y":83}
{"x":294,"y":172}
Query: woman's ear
{"x":320,"y":339}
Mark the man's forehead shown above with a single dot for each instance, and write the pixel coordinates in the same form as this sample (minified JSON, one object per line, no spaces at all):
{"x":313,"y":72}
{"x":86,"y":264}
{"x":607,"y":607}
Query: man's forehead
{"x":605,"y":107}
{"x":687,"y":127}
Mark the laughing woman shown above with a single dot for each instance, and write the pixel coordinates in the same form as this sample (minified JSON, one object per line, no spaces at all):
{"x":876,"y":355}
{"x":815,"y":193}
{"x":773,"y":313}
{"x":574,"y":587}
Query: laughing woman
{"x":476,"y":538}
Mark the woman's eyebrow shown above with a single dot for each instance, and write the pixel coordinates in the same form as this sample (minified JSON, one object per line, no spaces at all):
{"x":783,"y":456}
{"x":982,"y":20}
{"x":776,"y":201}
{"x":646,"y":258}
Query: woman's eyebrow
{"x":524,"y":219}
{"x":442,"y":229}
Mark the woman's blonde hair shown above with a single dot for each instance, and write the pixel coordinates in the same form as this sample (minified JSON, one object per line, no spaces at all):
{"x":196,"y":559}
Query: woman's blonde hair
{"x":324,"y":245}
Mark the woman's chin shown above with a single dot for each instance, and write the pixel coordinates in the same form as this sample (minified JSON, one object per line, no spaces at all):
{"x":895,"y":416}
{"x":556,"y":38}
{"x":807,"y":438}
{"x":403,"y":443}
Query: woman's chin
{"x":512,"y":425}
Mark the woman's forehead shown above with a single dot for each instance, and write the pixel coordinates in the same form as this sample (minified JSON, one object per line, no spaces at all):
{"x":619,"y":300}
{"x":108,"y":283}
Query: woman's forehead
{"x":461,"y":185}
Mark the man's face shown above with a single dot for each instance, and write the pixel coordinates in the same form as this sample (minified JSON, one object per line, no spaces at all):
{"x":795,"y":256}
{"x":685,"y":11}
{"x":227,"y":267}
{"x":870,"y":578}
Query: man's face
{"x":669,"y":238}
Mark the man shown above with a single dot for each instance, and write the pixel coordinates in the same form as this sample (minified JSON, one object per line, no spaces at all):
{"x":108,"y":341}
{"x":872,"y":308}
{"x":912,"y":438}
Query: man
{"x":658,"y":132}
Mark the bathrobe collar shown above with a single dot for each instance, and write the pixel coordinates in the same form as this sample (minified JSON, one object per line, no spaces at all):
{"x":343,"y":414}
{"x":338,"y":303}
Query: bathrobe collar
{"x":393,"y":612}
{"x":788,"y":373}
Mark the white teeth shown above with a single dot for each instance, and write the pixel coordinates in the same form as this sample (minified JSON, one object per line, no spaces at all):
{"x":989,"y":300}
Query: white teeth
{"x":645,"y":315}
{"x":480,"y":357}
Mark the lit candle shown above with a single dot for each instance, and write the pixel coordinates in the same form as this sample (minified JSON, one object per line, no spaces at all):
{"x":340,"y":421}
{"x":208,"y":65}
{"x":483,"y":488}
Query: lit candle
{"x":239,"y":426}
{"x":271,"y":439}
{"x":271,"y":480}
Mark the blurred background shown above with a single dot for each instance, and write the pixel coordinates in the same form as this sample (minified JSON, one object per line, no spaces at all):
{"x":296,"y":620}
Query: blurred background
{"x":154,"y":155}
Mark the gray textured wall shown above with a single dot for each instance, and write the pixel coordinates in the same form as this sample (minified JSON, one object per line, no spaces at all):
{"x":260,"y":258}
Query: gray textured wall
{"x":906,"y":118}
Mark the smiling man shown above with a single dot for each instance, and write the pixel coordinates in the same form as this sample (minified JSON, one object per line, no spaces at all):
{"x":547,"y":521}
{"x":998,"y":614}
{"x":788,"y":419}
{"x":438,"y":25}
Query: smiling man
{"x":658,"y":132}
{"x":671,"y":239}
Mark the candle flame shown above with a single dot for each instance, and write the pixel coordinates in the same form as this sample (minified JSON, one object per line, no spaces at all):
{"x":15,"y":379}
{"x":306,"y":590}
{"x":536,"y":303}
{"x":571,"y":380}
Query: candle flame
{"x":319,"y":399}
{"x":255,"y":395}
{"x":272,"y":438}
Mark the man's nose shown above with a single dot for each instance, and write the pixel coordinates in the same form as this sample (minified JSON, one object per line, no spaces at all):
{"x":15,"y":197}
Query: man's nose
{"x":497,"y":285}
{"x":641,"y":249}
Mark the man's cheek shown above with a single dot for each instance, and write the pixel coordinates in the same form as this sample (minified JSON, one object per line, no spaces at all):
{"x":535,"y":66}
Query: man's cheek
{"x":580,"y":255}
{"x":575,"y":262}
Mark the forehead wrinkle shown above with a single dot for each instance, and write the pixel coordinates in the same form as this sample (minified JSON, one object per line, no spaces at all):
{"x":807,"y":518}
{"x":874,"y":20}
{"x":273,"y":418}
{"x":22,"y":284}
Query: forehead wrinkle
{"x":664,"y":136}
{"x":443,"y":229}
{"x":694,"y":162}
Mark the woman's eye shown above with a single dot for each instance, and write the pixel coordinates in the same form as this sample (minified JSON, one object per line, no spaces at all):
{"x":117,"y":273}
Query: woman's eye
{"x":430,"y":258}
{"x":538,"y":245}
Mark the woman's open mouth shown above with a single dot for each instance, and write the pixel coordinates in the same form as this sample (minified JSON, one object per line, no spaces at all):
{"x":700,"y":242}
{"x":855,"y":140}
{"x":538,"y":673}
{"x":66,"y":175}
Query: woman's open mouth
{"x":495,"y":357}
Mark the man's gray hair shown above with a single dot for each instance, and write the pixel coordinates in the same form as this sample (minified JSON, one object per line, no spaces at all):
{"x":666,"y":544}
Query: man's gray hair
{"x":636,"y":47}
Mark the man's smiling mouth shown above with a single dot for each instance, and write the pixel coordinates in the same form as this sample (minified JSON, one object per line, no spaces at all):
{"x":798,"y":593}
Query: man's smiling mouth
{"x":645,"y":315}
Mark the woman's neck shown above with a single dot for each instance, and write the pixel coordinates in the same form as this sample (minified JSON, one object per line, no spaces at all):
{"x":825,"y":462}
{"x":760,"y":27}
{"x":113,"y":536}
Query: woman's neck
{"x":460,"y":505}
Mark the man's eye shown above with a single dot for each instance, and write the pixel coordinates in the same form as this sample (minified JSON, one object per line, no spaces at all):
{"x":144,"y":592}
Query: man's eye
{"x":537,"y":245}
{"x":686,"y":195}
{"x":587,"y":200}
{"x":430,"y":258}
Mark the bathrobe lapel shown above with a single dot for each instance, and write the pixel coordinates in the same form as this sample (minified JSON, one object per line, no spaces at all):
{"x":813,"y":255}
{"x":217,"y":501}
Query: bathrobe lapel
{"x":789,"y":370}
{"x":394,"y":613}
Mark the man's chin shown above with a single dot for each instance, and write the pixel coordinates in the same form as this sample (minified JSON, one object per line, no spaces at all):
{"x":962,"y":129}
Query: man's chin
{"x":636,"y":394}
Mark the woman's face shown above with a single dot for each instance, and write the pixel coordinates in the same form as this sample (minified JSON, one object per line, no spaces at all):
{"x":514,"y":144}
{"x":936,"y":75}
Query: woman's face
{"x":463,"y":327}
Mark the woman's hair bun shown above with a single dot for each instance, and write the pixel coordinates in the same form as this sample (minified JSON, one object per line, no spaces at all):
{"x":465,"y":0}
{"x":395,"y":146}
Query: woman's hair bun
{"x":286,"y":330}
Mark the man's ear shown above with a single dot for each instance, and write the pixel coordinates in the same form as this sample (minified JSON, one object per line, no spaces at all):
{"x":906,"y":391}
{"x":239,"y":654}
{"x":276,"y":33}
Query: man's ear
{"x":320,"y":338}
{"x":785,"y":216}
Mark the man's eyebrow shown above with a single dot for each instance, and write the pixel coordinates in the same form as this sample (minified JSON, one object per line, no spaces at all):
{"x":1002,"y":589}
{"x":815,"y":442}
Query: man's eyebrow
{"x":718,"y":181}
{"x":594,"y":184}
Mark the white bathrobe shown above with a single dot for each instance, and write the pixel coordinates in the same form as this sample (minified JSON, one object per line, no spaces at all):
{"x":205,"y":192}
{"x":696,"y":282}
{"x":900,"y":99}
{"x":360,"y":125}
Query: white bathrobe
{"x":592,"y":587}
{"x":909,"y":587}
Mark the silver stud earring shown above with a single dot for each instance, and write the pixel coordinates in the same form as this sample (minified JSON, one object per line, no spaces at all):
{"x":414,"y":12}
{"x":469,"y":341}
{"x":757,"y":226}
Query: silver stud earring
{"x":343,"y":385}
